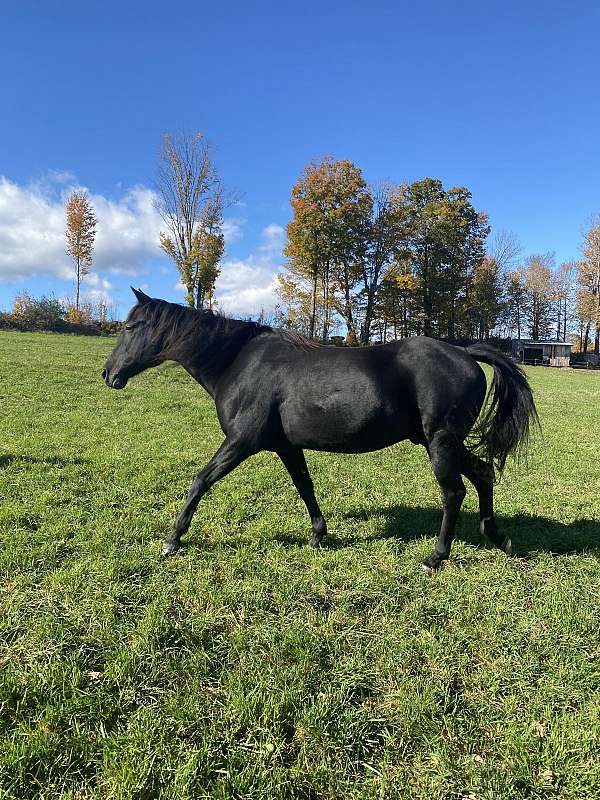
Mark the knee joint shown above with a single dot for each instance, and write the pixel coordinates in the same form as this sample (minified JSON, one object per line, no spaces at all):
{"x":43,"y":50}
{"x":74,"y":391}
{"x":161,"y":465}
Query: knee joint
{"x":454,"y":496}
{"x":199,"y":485}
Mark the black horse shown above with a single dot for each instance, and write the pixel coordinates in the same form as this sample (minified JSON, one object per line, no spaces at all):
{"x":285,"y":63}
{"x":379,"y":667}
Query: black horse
{"x":276,"y":391}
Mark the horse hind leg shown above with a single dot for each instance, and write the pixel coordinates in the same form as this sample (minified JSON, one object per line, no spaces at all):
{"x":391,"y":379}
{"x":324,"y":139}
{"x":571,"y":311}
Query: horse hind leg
{"x":295,"y":463}
{"x":481,"y":475}
{"x":444,"y":450}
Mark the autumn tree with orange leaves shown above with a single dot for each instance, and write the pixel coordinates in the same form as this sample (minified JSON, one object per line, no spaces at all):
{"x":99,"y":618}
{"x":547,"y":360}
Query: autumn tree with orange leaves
{"x":345,"y":236}
{"x":342,"y":238}
{"x":331,"y":206}
{"x":81,"y":232}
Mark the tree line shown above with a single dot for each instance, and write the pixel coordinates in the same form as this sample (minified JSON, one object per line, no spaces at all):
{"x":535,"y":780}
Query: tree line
{"x":394,"y":260}
{"x":373,"y":262}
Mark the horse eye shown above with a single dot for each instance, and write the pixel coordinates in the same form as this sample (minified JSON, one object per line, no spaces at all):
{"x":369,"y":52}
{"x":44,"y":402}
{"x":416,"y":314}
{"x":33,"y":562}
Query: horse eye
{"x":131,"y":326}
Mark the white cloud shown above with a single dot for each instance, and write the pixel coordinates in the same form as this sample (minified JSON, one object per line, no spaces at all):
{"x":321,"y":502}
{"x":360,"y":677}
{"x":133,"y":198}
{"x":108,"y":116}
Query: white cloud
{"x":245,"y":286}
{"x":31,"y":233}
{"x":96,"y":296}
{"x":273,"y":239}
{"x":32,"y":229}
{"x":94,"y":289}
{"x":232,"y":229}
{"x":97,"y":282}
{"x":60,"y":176}
{"x":32,"y":243}
{"x":127,"y":232}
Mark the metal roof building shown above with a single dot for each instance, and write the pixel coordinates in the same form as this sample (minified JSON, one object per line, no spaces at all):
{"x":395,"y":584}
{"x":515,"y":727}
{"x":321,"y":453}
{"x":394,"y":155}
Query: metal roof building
{"x":552,"y":354}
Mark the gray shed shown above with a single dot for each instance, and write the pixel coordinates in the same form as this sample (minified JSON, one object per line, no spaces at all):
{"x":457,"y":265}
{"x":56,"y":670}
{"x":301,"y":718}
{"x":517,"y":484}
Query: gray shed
{"x":552,"y":354}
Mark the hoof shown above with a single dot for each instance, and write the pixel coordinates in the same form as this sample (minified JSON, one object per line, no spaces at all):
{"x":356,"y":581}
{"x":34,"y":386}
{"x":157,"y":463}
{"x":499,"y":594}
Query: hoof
{"x":506,"y":546}
{"x":316,"y":544}
{"x":169,"y":550}
{"x":490,"y":532}
{"x":432,"y":564}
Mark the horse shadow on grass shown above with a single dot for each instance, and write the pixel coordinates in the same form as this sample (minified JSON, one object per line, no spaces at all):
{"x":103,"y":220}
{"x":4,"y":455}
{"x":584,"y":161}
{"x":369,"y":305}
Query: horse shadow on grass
{"x":530,"y":535}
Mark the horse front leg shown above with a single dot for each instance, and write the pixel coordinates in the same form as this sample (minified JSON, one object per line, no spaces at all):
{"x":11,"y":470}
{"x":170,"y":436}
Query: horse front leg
{"x":295,"y":463}
{"x":230,"y":454}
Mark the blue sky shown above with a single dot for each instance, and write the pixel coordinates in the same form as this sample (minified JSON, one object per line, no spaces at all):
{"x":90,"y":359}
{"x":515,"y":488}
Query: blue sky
{"x":500,"y":97}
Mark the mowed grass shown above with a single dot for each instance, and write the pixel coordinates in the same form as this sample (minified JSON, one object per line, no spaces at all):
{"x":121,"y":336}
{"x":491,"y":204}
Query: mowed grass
{"x":250,"y":666}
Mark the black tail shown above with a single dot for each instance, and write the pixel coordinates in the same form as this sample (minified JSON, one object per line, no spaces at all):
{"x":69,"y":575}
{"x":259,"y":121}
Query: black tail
{"x":505,"y":425}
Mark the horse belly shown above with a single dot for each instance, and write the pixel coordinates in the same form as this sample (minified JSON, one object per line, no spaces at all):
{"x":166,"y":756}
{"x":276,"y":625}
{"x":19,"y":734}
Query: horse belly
{"x":343,"y":425}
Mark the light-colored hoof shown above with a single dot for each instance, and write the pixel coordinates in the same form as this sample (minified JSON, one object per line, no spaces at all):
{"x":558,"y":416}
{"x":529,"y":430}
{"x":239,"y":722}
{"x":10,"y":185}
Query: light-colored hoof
{"x":507,"y":546}
{"x":169,"y":550}
{"x":431,"y":569}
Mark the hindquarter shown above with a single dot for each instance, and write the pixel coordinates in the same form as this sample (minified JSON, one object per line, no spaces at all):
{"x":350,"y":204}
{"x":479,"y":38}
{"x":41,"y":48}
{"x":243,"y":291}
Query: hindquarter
{"x":450,"y":388}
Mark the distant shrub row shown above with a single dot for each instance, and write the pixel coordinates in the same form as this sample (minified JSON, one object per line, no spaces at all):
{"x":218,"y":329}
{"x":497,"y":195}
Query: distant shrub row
{"x":49,"y":314}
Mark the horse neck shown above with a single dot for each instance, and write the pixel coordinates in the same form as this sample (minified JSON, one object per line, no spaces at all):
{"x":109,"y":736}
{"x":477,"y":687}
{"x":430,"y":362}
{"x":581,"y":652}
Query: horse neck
{"x":208,"y":356}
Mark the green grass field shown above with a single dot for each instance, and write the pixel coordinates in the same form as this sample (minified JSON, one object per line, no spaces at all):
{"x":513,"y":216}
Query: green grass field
{"x":250,"y":666}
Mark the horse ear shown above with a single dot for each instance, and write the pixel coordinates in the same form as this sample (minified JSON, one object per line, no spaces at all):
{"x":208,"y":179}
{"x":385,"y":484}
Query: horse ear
{"x":140,"y":296}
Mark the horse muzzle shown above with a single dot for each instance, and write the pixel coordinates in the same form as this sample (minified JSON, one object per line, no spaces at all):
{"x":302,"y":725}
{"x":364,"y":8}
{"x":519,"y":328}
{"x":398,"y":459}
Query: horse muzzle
{"x":115,"y":381}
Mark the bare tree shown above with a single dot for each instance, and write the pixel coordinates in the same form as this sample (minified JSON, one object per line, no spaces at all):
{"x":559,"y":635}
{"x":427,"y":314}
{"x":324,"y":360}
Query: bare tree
{"x":81,"y":231}
{"x":516,"y":301}
{"x":191,"y":201}
{"x":564,"y":279}
{"x":540,"y":291}
{"x":505,"y":247}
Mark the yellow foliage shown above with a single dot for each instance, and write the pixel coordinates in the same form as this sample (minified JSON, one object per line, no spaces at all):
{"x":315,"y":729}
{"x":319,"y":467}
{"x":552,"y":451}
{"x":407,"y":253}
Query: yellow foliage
{"x":81,"y":316}
{"x":406,"y":282}
{"x":81,"y":231}
{"x":21,"y":304}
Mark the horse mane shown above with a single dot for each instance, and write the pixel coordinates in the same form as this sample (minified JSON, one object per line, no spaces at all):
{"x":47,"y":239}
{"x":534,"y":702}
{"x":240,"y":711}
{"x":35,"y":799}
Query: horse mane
{"x":179,"y":325}
{"x":296,"y":339}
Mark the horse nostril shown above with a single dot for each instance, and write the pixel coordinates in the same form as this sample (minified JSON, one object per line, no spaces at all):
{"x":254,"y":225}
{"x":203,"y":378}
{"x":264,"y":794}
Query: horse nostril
{"x":104,"y":374}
